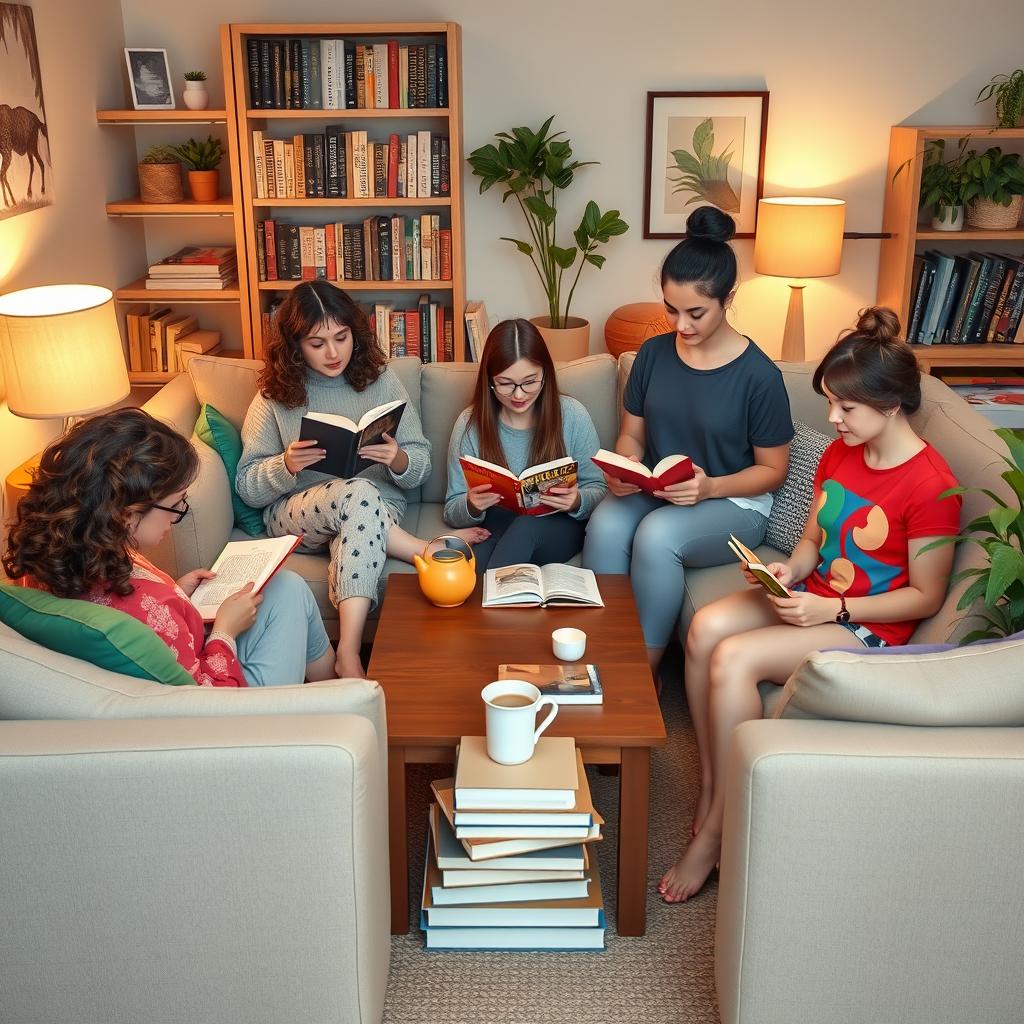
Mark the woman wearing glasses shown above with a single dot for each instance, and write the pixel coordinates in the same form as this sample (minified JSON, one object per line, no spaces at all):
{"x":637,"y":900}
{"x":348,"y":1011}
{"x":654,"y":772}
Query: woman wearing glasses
{"x":519,"y":419}
{"x":114,"y":485}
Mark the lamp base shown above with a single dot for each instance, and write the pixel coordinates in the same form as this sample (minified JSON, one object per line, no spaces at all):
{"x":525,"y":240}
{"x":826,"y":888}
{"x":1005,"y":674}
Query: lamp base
{"x":793,"y":349}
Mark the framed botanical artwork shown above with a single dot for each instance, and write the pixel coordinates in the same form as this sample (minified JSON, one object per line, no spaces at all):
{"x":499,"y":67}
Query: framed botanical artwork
{"x":150,"y":78}
{"x":703,"y":149}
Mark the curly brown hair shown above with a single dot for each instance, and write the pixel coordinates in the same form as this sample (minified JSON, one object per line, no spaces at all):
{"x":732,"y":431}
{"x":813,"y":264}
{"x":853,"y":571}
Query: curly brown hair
{"x":72,"y":529}
{"x":309,"y":306}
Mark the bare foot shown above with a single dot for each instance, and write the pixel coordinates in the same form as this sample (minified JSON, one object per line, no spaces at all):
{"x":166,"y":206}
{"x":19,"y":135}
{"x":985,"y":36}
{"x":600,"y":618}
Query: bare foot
{"x":349,"y":666}
{"x":701,"y":810}
{"x":687,"y":876}
{"x":471,"y":535}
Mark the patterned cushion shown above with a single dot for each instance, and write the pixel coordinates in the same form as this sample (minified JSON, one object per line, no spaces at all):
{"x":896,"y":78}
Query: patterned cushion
{"x":793,"y":499}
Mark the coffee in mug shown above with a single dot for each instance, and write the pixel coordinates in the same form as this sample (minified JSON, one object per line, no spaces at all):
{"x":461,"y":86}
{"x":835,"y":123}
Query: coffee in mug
{"x":511,"y":710}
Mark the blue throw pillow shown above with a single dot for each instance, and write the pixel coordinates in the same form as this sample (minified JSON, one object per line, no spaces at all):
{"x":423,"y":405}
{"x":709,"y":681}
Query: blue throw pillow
{"x":217,"y":431}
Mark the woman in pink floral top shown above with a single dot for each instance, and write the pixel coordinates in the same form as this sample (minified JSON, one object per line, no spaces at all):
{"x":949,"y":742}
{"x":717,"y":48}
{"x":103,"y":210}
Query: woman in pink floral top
{"x":115,"y":484}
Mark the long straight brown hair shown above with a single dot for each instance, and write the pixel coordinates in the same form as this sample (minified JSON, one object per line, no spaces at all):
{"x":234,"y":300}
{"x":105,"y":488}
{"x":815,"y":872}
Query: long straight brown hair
{"x":510,"y":341}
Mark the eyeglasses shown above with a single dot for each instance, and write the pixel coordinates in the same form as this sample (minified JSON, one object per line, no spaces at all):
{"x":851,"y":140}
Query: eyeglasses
{"x":178,"y":513}
{"x":508,"y":388}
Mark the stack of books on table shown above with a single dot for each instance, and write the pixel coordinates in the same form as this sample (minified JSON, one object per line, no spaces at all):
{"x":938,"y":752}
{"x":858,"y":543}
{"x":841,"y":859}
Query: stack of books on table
{"x":508,"y":865}
{"x":195,"y":267}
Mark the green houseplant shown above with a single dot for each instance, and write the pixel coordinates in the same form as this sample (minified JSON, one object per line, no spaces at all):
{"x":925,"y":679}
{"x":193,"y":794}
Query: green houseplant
{"x":195,"y":95}
{"x":160,"y":175}
{"x":944,"y":183}
{"x":1008,"y":91}
{"x":533,"y":167}
{"x":995,"y":189}
{"x":999,"y":584}
{"x":202,"y":159}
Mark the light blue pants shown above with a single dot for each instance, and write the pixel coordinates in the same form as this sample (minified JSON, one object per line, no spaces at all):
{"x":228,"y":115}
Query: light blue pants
{"x":655,"y":542}
{"x":288,"y":634}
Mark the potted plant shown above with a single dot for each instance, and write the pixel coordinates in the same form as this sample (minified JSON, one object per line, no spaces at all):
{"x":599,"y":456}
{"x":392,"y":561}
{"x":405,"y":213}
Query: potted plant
{"x":202,"y":159}
{"x":160,"y":175}
{"x":534,"y":166}
{"x":995,"y":189}
{"x":943,"y":183}
{"x":195,"y":95}
{"x":1009,"y":93}
{"x":999,"y":583}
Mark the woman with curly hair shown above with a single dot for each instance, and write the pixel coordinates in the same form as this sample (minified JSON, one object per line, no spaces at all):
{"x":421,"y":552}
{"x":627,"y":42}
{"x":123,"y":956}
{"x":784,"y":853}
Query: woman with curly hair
{"x":323,"y":357}
{"x":115,"y":484}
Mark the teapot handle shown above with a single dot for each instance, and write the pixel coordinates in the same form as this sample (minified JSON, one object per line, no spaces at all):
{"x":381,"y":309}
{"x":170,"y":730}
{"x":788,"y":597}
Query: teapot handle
{"x":457,"y":543}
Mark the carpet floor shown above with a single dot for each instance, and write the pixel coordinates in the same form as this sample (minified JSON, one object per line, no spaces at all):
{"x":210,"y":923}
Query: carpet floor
{"x":666,"y":976}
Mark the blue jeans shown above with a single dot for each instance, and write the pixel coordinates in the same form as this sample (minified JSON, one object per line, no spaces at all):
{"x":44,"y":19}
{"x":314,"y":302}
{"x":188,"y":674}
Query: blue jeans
{"x":288,"y":634}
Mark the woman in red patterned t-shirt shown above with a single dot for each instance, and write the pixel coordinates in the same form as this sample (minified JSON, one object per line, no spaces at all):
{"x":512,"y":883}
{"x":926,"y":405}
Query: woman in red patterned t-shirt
{"x":858,"y":577}
{"x":116,"y":483}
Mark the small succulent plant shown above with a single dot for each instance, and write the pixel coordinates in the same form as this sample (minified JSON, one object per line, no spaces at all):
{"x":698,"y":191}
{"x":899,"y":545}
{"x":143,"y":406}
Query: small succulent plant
{"x":195,"y":76}
{"x":161,"y":155}
{"x":201,"y":156}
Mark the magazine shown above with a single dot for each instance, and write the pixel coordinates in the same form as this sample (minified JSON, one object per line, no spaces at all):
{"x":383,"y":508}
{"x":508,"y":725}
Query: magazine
{"x":521,"y":494}
{"x":342,"y":438}
{"x":564,"y":684}
{"x":529,"y":586}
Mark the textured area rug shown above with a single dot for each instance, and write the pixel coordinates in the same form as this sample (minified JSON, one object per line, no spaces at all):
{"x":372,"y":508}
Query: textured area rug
{"x":666,"y":976}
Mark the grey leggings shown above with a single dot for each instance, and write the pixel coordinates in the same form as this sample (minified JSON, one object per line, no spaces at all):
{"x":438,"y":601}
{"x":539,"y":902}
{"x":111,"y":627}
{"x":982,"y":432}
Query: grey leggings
{"x":655,"y":542}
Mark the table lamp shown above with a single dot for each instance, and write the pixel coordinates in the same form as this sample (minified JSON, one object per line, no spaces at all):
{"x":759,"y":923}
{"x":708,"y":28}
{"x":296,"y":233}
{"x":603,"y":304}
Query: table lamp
{"x":61,"y":351}
{"x":798,"y":237}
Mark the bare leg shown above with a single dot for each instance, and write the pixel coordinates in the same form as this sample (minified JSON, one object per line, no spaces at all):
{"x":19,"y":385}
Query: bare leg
{"x":352,"y":614}
{"x":737,"y":664}
{"x":402,"y":544}
{"x":322,"y":668}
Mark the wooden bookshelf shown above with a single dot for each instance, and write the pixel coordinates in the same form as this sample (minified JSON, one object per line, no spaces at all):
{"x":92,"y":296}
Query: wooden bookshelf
{"x":907,"y":235}
{"x":137,"y":117}
{"x":318,"y":212}
{"x":135,"y":207}
{"x":138,"y":292}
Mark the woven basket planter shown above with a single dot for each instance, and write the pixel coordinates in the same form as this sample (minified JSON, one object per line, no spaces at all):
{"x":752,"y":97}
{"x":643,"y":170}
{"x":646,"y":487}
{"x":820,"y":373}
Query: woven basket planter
{"x":989,"y":216}
{"x":160,"y":183}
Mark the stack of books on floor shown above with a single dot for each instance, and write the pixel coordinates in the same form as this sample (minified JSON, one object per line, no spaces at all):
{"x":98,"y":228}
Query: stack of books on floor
{"x":508,"y":865}
{"x":195,"y":267}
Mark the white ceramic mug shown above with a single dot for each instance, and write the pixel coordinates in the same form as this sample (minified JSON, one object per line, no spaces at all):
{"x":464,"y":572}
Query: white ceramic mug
{"x":512,"y":730}
{"x":568,"y":644}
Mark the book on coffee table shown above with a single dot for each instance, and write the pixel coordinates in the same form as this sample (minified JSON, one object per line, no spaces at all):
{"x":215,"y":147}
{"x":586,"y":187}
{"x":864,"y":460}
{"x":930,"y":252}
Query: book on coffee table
{"x":527,"y":586}
{"x":548,"y":781}
{"x":564,"y":684}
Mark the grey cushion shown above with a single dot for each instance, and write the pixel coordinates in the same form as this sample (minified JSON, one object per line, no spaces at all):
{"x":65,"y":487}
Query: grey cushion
{"x":793,"y":499}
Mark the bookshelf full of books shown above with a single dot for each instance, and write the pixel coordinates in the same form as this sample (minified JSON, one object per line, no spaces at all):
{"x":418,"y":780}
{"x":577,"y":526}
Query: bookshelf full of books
{"x":509,"y":861}
{"x":350,"y":145}
{"x":959,"y":294}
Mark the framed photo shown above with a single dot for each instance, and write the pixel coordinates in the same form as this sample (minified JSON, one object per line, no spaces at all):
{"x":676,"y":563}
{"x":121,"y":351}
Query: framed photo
{"x":703,"y":149}
{"x":150,"y":78}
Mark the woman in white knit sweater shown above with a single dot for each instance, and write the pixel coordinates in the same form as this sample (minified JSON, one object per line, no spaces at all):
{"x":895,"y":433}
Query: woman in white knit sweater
{"x":323,"y":357}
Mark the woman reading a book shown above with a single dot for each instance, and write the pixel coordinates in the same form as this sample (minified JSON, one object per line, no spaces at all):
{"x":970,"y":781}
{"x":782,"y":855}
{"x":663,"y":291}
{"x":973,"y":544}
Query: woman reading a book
{"x":115,"y":484}
{"x":862,"y":574}
{"x":519,"y":420}
{"x":322,"y":357}
{"x":704,"y":391}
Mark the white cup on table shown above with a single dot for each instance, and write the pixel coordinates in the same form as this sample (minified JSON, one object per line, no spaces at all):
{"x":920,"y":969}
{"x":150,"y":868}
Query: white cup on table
{"x":511,"y":710}
{"x":568,"y":644}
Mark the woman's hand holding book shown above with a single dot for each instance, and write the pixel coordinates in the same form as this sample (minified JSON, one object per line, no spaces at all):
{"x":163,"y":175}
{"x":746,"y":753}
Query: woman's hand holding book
{"x":300,"y":455}
{"x":561,"y":499}
{"x":619,"y":487}
{"x":780,"y":570}
{"x":482,"y":497}
{"x":387,"y":453}
{"x":687,"y":492}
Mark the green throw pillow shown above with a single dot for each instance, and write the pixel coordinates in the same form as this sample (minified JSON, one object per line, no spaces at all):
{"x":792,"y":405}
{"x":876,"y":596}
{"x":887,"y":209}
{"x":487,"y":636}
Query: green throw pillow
{"x":95,"y":633}
{"x":214,"y":429}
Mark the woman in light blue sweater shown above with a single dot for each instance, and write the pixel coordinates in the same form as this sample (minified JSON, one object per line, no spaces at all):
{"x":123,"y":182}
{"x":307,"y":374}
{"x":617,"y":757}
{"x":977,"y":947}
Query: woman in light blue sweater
{"x":518,"y":419}
{"x":323,"y":357}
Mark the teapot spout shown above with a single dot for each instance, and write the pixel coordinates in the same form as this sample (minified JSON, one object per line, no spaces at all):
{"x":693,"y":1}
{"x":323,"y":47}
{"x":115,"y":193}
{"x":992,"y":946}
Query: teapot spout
{"x":421,"y":565}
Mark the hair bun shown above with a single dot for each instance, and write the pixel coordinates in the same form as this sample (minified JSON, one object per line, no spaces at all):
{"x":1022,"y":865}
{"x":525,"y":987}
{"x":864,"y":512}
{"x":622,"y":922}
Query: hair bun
{"x":878,"y":323}
{"x":709,"y":224}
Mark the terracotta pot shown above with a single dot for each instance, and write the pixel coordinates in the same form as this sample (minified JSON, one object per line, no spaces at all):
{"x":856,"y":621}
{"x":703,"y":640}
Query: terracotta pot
{"x":160,"y":183}
{"x":564,"y":343}
{"x":204,"y":185}
{"x":631,"y":325}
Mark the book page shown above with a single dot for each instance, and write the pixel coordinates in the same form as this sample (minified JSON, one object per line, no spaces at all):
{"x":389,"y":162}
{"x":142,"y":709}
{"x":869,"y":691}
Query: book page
{"x":335,"y":421}
{"x":381,"y":412}
{"x":241,"y":562}
{"x":534,"y":484}
{"x":381,"y":421}
{"x":513,"y":583}
{"x":570,"y":581}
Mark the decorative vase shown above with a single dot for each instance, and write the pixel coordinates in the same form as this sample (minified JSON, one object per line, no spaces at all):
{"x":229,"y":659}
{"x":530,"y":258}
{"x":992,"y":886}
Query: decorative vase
{"x":204,"y":185}
{"x":564,"y":343}
{"x":948,"y":218}
{"x":631,"y":325}
{"x":195,"y":96}
{"x":990,"y":216}
{"x":160,"y":183}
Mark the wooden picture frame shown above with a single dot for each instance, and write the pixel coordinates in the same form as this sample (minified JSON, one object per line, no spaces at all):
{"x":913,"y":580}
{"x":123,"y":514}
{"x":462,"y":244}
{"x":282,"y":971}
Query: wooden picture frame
{"x":149,"y":76}
{"x":689,"y":133}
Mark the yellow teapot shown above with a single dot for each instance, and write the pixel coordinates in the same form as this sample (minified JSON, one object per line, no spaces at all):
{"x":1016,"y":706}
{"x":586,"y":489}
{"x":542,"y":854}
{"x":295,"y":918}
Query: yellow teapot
{"x":448,"y":576}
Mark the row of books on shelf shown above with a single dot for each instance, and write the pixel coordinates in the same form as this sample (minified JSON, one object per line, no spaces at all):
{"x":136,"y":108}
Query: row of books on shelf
{"x":508,"y":863}
{"x":195,"y":268}
{"x":334,"y":74}
{"x":160,"y":340}
{"x":339,"y":164}
{"x":381,"y":248}
{"x":975,"y":298}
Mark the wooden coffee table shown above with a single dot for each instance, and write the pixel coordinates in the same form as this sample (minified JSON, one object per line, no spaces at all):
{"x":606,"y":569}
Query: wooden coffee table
{"x":432,"y":664}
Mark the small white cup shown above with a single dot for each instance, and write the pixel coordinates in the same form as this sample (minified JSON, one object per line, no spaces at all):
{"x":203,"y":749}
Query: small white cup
{"x":568,"y":644}
{"x":511,"y":708}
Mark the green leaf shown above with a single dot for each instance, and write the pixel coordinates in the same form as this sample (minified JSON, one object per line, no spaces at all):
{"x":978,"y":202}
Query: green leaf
{"x":565,"y":258}
{"x":972,"y":593}
{"x":704,"y":138}
{"x":524,"y":247}
{"x":540,"y":208}
{"x":1007,"y":566}
{"x":594,"y":260}
{"x":1002,"y":518}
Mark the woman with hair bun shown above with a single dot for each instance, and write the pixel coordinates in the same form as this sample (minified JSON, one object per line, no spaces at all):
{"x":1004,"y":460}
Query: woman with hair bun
{"x":859,"y":576}
{"x":706,"y":391}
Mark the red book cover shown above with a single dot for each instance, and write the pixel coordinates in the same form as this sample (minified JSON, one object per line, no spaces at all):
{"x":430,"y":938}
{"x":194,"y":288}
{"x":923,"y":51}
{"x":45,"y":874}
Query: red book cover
{"x":393,"y":148}
{"x":214,"y":255}
{"x":673,"y":469}
{"x":446,"y":254}
{"x":521,"y":494}
{"x":393,"y":101}
{"x":331,"y":251}
{"x":270,"y":234}
{"x":412,"y":333}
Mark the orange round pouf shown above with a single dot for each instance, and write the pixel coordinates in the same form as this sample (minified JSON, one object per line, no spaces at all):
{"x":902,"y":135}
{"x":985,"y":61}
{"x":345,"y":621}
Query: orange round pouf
{"x":631,"y":325}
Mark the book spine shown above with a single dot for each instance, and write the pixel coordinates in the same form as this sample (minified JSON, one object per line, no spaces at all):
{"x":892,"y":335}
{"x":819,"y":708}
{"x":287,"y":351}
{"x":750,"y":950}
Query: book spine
{"x":252,"y":60}
{"x":445,"y":169}
{"x":397,"y":248}
{"x":295,"y":53}
{"x":442,"y":75}
{"x":259,"y":167}
{"x":403,"y":76}
{"x":277,"y":73}
{"x":977,"y":298}
{"x":299,"y":151}
{"x":270,"y":246}
{"x":995,"y":282}
{"x":393,"y":74}
{"x":344,"y":163}
{"x":307,"y":257}
{"x":289,"y":170}
{"x":320,"y":253}
{"x":1002,"y":330}
{"x":411,"y":168}
{"x":431,"y":75}
{"x":380,"y":76}
{"x":331,"y":142}
{"x":392,"y":166}
{"x":412,"y":333}
{"x":970,"y":280}
{"x":426,"y":247}
{"x":270,"y":168}
{"x":266,"y":74}
{"x":445,"y":247}
{"x":1000,"y":307}
{"x":417,"y":250}
{"x":294,"y":253}
{"x":261,"y":250}
{"x":360,"y":75}
{"x":346,"y":252}
{"x":409,"y":273}
{"x":384,"y":264}
{"x":279,"y":171}
{"x":305,"y":75}
{"x":423,"y":308}
{"x":1013,"y":332}
{"x":423,"y":164}
{"x":421,"y":75}
{"x":319,"y":171}
{"x":314,"y":74}
{"x":328,"y":61}
{"x":350,"y":76}
{"x":330,"y":252}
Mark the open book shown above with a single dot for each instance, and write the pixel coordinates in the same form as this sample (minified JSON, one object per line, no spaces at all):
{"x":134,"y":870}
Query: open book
{"x":528,"y":586}
{"x":672,"y":469}
{"x":341,"y":438}
{"x":241,"y":562}
{"x":763,"y":576}
{"x":564,"y":684}
{"x":521,"y":493}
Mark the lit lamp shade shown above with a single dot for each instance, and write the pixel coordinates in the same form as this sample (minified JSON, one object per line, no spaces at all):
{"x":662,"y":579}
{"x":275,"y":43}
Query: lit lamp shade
{"x":61,"y":351}
{"x":799,"y":237}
